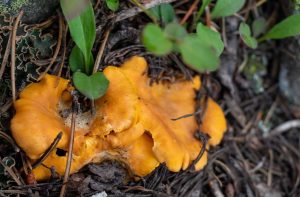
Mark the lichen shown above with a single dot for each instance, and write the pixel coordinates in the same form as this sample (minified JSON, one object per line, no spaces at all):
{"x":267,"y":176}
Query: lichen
{"x":13,"y":6}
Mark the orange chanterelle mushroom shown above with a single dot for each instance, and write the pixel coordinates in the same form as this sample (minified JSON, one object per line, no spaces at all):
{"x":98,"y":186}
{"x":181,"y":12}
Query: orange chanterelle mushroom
{"x":133,"y":123}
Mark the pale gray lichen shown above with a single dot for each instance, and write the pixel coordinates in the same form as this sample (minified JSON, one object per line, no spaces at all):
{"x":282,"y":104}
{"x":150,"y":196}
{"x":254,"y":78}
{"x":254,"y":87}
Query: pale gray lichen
{"x":12,"y":6}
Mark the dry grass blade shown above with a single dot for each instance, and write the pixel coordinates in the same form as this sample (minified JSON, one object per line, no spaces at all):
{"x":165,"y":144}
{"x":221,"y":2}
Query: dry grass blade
{"x":101,"y":50}
{"x":5,"y":57}
{"x":13,"y":55}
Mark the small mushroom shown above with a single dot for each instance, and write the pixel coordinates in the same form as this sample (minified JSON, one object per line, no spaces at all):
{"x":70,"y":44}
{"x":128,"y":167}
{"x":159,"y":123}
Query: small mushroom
{"x":134,"y":123}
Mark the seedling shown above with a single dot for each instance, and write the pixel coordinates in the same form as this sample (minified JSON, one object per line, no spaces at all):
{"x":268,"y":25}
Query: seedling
{"x":287,"y":28}
{"x":200,"y":51}
{"x":81,"y":22}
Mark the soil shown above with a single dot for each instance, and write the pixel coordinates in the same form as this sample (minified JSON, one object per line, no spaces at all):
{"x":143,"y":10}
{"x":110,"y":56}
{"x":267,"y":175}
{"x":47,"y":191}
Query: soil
{"x":259,"y":155}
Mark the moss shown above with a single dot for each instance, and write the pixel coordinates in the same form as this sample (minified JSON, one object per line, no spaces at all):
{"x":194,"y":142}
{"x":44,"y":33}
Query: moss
{"x":13,"y":6}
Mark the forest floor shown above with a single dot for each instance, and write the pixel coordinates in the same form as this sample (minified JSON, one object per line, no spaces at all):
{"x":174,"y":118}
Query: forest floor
{"x":259,"y":155}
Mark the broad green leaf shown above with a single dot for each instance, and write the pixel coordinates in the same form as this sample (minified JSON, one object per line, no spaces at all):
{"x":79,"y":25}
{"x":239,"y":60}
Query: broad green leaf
{"x":198,"y":55}
{"x":113,"y":5}
{"x":175,"y":31}
{"x":227,"y":7}
{"x":286,"y":28}
{"x":210,"y":38}
{"x":164,"y":13}
{"x":73,"y":8}
{"x":259,"y":26}
{"x":245,"y":33}
{"x":76,"y":61}
{"x":155,"y":40}
{"x":82,"y":26}
{"x":93,"y":86}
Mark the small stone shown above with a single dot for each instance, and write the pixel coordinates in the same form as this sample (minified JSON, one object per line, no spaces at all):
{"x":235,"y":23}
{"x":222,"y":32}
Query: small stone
{"x":290,"y":71}
{"x":35,"y":11}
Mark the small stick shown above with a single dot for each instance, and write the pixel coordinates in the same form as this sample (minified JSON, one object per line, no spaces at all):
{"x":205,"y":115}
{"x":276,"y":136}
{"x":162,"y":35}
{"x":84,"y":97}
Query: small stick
{"x":5,"y":57}
{"x":64,"y":51}
{"x":100,"y":52}
{"x":189,"y":12}
{"x":13,"y":54}
{"x":70,"y":153}
{"x":48,"y":151}
{"x":270,"y":170}
{"x":284,"y":127}
{"x":57,"y":49}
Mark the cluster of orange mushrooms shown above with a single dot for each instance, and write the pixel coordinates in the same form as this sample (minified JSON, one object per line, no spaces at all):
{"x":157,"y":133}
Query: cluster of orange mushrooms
{"x":133,"y":123}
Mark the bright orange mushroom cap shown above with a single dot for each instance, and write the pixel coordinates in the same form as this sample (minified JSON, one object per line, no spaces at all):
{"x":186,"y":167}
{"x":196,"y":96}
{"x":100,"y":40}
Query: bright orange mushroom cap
{"x":133,"y":123}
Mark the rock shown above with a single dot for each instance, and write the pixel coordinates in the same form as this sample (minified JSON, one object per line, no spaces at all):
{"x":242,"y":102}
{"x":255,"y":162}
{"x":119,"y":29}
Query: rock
{"x":290,"y":71}
{"x":34,"y":10}
{"x":290,"y":62}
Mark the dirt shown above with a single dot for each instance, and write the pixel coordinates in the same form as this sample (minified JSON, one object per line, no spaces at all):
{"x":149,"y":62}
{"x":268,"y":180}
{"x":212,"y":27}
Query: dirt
{"x":251,"y":160}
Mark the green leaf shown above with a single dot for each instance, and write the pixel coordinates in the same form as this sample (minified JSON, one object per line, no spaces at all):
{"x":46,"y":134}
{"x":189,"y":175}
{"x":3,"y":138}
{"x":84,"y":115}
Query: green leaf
{"x":259,"y":26}
{"x":198,"y":55}
{"x":164,"y":13}
{"x":227,"y":7}
{"x":76,"y":61}
{"x":113,"y":5}
{"x":93,"y":86}
{"x":175,"y":31}
{"x":82,"y":27}
{"x":210,"y":38}
{"x":245,"y":33}
{"x":286,"y":28}
{"x":155,"y":40}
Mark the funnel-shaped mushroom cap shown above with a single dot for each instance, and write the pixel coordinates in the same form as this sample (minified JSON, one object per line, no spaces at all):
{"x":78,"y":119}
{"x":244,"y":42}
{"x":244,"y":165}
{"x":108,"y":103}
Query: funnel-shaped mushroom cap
{"x":134,"y":123}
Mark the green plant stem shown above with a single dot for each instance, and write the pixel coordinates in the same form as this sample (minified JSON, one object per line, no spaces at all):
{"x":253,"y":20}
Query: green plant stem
{"x":261,"y":39}
{"x":137,"y":3}
{"x":200,"y":12}
{"x":87,"y":63}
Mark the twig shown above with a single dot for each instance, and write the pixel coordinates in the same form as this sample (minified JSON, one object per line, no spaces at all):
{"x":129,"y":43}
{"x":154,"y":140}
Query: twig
{"x":5,"y":107}
{"x":48,"y":151}
{"x":13,"y":54}
{"x":64,"y":51}
{"x":100,"y":52}
{"x":291,"y":124}
{"x":57,"y":49}
{"x":5,"y":57}
{"x":70,"y":152}
{"x":189,"y":12}
{"x":43,"y":24}
{"x":269,"y":181}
